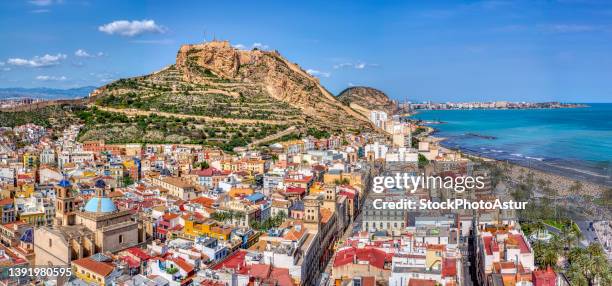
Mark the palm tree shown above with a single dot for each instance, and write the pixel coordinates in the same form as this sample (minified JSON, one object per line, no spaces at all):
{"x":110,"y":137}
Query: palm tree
{"x":569,"y":235}
{"x":576,"y":187}
{"x":600,"y":271}
{"x":595,"y":249}
{"x":576,"y":276}
{"x":550,"y":256}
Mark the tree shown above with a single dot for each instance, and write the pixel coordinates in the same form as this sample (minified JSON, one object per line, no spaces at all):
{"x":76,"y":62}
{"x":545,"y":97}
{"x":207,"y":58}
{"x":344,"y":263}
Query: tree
{"x":607,"y":197}
{"x":423,"y":161}
{"x":127,"y":180}
{"x":576,"y":187}
{"x":589,"y":266}
{"x":343,"y":181}
{"x":569,"y":235}
{"x":201,"y":165}
{"x":550,"y":256}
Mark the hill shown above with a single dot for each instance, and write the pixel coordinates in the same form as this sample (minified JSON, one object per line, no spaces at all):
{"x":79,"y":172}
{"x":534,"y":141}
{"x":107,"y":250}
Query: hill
{"x":364,"y":99}
{"x":216,"y":94}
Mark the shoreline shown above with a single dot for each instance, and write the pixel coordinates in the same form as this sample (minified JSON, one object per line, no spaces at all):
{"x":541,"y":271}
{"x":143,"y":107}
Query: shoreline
{"x":560,"y":182}
{"x":563,"y":173}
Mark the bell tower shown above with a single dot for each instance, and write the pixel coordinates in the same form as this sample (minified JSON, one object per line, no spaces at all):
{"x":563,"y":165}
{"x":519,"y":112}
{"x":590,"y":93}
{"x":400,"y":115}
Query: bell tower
{"x":64,"y":203}
{"x":312,"y":212}
{"x":329,"y":201}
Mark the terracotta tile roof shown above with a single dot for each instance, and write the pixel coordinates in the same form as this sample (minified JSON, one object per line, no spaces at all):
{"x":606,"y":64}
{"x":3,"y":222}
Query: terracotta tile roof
{"x":208,"y":172}
{"x":208,"y":282}
{"x":421,"y":282}
{"x":375,"y":257}
{"x":295,"y":190}
{"x":490,"y":245}
{"x":139,"y":253}
{"x":204,"y":201}
{"x":436,"y":247}
{"x":519,"y":241}
{"x":100,"y":268}
{"x":233,"y":261}
{"x":294,"y":234}
{"x":170,"y":216}
{"x":261,"y":271}
{"x":449,"y":267}
{"x":180,"y":262}
{"x":7,"y":201}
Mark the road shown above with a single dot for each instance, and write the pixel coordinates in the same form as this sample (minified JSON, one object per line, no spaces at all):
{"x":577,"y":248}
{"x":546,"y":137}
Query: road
{"x":588,"y":235}
{"x":465,"y":264}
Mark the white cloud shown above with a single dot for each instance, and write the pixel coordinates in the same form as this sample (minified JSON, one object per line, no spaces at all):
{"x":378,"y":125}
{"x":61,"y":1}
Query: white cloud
{"x":44,"y":2}
{"x":39,"y":11}
{"x":132,"y":28}
{"x":84,"y":54}
{"x":318,"y":73}
{"x":342,"y":65}
{"x":255,"y":45}
{"x":570,"y":28}
{"x":260,"y":46}
{"x":358,"y":65}
{"x":51,"y":78}
{"x":35,"y":62}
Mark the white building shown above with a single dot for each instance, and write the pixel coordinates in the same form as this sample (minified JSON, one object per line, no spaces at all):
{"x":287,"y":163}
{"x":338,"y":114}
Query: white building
{"x":379,"y":118}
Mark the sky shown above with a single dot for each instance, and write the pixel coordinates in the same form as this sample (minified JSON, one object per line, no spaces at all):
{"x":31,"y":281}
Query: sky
{"x":412,"y":50}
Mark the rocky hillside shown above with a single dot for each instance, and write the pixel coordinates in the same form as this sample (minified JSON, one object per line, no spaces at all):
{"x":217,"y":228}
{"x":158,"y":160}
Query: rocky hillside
{"x":217,"y":93}
{"x":364,"y":99}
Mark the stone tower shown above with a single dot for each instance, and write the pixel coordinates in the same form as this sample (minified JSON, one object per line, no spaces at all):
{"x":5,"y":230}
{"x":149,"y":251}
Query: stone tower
{"x":329,"y":201}
{"x":64,"y":203}
{"x":312,"y":212}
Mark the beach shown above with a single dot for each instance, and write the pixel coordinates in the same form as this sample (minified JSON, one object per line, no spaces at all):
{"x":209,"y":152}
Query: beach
{"x":567,"y":145}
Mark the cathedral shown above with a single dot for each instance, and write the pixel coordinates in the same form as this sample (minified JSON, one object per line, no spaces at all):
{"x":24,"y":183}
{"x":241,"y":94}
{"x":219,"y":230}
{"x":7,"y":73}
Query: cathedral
{"x":82,"y":230}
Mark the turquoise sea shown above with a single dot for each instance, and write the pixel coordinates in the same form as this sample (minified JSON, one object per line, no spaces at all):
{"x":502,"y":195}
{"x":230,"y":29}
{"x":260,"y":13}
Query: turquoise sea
{"x":575,"y":142}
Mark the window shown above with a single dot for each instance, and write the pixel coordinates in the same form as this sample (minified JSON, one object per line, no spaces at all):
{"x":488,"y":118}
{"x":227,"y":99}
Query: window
{"x":50,"y":243}
{"x":121,"y":238}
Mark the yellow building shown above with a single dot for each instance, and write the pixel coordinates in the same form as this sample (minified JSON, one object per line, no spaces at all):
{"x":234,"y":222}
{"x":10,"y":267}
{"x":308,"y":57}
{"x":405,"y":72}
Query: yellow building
{"x":255,"y":166}
{"x":93,"y":272}
{"x":33,"y":218}
{"x":235,"y":192}
{"x":25,"y":191}
{"x":354,"y":179}
{"x":195,"y":227}
{"x":316,"y":188}
{"x":434,"y":256}
{"x":30,"y":160}
{"x":229,"y":165}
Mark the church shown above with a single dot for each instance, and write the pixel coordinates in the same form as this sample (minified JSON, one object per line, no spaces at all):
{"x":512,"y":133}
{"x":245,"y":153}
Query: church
{"x":82,"y":230}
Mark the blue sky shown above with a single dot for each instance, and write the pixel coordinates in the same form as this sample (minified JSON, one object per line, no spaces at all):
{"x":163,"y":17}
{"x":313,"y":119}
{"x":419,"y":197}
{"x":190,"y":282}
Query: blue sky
{"x":417,"y":50}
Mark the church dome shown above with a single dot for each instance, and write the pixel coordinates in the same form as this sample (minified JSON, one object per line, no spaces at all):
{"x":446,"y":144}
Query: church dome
{"x":100,"y":205}
{"x":100,"y":184}
{"x":64,"y":183}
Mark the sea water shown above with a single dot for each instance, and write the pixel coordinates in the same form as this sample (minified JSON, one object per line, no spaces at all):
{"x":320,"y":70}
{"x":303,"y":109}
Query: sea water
{"x":575,"y":142}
